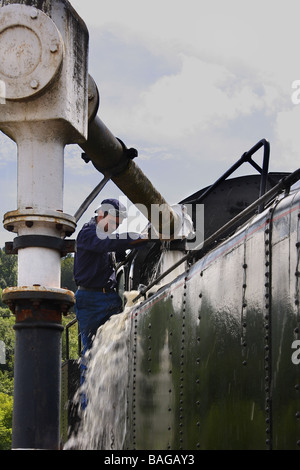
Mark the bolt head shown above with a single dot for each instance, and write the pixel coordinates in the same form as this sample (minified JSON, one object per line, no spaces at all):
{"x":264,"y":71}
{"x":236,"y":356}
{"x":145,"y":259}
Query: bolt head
{"x":34,"y":84}
{"x":34,"y":14}
{"x":53,"y":48}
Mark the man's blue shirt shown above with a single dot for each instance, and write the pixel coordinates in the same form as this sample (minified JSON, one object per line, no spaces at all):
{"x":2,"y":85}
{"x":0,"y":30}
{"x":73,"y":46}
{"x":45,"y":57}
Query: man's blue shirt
{"x":93,"y":267}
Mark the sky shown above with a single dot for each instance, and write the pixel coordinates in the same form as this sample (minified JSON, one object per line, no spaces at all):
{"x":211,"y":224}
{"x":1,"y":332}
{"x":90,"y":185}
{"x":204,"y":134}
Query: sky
{"x":191,"y":85}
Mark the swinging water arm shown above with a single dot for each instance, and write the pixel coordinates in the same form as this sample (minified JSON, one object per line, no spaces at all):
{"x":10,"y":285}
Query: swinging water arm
{"x":111,"y":157}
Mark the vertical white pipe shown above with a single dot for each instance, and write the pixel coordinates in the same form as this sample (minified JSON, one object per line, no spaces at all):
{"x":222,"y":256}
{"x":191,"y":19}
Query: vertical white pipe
{"x":40,"y":187}
{"x":40,"y":171}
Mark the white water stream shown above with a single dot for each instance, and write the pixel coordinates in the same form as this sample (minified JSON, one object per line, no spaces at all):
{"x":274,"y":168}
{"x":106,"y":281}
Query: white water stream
{"x":103,"y":422}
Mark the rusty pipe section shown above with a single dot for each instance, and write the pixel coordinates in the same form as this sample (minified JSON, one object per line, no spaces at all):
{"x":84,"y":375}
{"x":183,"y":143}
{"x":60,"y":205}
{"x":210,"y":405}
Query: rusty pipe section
{"x":109,"y":156}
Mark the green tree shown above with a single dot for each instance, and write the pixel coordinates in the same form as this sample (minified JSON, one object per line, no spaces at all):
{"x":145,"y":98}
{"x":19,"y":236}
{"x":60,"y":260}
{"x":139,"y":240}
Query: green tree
{"x":67,"y":278}
{"x":6,"y":407}
{"x":73,"y":338}
{"x":8,"y":269}
{"x":67,"y":282}
{"x":7,"y":335}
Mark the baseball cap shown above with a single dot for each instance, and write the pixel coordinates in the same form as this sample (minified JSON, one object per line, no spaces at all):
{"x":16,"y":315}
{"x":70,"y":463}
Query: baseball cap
{"x":113,"y":207}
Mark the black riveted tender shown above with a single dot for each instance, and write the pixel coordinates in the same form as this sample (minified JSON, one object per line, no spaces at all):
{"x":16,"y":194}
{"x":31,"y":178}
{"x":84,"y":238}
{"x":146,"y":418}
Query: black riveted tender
{"x":230,"y":347}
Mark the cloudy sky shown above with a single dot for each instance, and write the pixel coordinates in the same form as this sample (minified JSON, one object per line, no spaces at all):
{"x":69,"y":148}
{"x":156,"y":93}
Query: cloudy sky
{"x":191,"y":85}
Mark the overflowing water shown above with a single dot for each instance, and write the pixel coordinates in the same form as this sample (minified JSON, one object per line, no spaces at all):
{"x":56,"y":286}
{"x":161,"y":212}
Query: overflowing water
{"x":167,"y":260}
{"x":103,"y":421}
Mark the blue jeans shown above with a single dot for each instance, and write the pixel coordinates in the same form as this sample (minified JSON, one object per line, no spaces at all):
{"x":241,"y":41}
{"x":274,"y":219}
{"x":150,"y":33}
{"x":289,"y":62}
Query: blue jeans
{"x":93,"y":309}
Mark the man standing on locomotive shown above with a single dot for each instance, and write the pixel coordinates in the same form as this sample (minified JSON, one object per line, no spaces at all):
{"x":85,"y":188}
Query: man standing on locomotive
{"x":94,"y":271}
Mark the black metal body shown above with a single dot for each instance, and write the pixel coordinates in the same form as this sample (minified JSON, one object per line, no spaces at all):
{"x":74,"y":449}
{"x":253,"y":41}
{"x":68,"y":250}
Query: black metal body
{"x":212,"y":352}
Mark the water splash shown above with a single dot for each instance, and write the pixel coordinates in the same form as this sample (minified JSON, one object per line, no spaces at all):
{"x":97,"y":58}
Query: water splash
{"x":103,"y":422}
{"x":167,"y":260}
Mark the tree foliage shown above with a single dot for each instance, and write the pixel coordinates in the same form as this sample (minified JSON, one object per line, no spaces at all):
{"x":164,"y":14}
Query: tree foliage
{"x":6,"y":407}
{"x":7,"y":335}
{"x":67,"y":278}
{"x":8,"y":269}
{"x":8,"y":278}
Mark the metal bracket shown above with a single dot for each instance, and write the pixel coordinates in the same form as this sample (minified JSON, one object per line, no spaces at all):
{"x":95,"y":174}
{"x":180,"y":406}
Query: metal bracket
{"x":246,"y":158}
{"x":129,"y":154}
{"x":40,"y":241}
